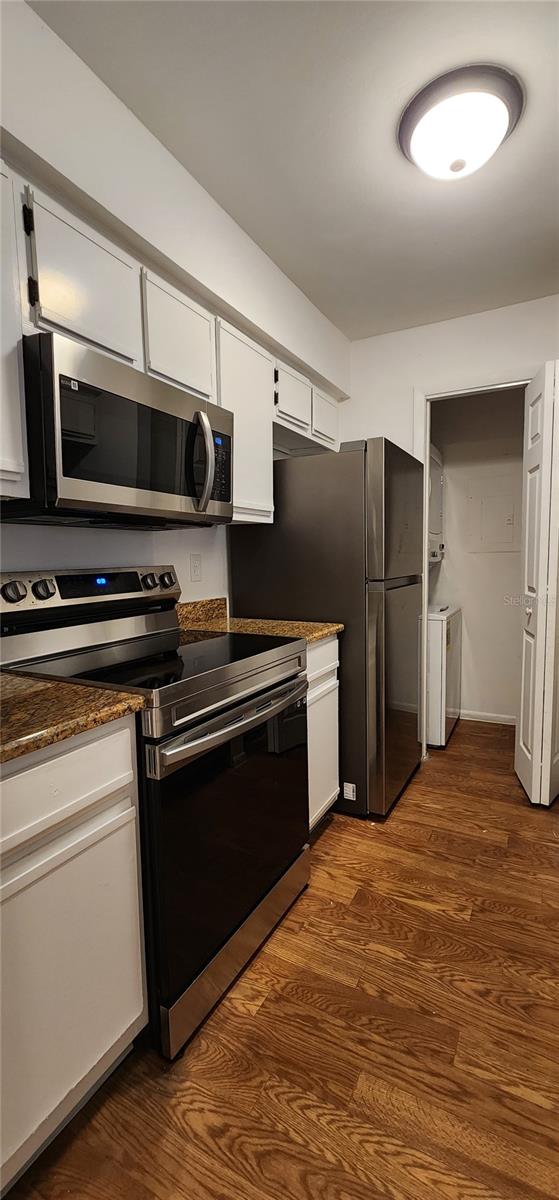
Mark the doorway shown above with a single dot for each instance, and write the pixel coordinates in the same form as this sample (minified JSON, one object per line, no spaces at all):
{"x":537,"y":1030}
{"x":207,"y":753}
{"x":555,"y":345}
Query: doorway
{"x":493,"y":459}
{"x":475,"y":567}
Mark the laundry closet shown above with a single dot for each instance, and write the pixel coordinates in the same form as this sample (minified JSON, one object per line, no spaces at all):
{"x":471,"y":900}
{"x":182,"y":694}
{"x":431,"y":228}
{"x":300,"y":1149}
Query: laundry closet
{"x":474,"y":554}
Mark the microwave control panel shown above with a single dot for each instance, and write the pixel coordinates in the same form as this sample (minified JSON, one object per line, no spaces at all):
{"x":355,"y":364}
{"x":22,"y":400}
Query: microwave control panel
{"x":222,"y":478}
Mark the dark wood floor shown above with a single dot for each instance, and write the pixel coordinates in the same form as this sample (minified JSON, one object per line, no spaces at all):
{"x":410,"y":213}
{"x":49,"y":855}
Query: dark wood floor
{"x":397,"y":1037}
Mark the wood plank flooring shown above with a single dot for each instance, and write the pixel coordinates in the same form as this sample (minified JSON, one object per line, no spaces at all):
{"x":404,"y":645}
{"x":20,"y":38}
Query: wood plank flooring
{"x":397,"y":1037}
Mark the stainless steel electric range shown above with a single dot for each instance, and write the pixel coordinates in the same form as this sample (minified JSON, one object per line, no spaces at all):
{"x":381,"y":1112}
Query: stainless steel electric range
{"x":222,"y":754}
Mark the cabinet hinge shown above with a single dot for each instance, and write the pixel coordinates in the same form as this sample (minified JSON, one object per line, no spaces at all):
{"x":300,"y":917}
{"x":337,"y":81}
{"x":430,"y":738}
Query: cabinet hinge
{"x":276,"y":398}
{"x":28,"y":220}
{"x":276,"y":375}
{"x":32,"y":291}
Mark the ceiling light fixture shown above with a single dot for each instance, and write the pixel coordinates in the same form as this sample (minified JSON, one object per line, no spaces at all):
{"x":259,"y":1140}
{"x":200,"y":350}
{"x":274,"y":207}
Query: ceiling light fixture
{"x":454,"y":124}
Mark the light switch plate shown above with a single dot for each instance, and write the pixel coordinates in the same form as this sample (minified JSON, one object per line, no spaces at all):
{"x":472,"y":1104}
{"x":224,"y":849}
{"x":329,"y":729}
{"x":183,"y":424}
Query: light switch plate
{"x":195,"y":568}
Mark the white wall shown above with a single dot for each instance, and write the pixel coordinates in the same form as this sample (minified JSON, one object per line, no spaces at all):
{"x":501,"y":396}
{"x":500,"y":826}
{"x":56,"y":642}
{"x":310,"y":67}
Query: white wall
{"x":480,"y":438}
{"x":32,"y":548}
{"x":70,"y":118}
{"x":467,"y":352}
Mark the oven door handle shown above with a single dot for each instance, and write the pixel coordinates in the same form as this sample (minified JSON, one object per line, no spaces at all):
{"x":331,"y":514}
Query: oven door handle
{"x":163,"y":760}
{"x":204,"y":423}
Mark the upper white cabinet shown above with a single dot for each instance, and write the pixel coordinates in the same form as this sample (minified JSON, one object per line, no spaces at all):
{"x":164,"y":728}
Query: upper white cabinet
{"x":179,"y":337}
{"x":246,"y":378}
{"x":293,"y":399}
{"x":84,"y":284}
{"x":14,"y":479}
{"x":325,"y":420}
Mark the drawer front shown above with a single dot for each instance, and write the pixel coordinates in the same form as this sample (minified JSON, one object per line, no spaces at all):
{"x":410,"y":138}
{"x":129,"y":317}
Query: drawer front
{"x":66,"y":784}
{"x":325,"y":418}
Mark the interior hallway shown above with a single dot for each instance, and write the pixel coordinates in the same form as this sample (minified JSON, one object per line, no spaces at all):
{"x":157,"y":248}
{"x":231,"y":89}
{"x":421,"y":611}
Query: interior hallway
{"x":398,"y":1035}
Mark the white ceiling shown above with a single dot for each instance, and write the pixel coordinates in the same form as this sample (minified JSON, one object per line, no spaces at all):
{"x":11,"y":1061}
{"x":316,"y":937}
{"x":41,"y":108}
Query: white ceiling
{"x":286,"y":113}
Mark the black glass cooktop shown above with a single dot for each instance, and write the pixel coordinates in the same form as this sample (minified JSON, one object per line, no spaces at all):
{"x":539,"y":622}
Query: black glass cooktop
{"x":205,"y":652}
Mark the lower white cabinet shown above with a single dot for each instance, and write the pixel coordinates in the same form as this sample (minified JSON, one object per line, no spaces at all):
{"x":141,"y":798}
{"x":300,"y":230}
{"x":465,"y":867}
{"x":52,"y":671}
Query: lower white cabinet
{"x":322,"y":727}
{"x":73,"y":979}
{"x":246,"y":387}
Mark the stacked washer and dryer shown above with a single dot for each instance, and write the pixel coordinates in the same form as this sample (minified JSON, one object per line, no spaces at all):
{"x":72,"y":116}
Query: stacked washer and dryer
{"x":444,"y":628}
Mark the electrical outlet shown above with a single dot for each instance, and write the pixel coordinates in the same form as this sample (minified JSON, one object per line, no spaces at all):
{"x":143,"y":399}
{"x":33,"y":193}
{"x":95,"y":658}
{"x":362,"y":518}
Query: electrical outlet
{"x":195,"y":568}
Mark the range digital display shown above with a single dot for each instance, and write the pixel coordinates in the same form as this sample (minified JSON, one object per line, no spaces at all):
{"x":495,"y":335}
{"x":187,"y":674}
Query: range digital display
{"x":110,"y":583}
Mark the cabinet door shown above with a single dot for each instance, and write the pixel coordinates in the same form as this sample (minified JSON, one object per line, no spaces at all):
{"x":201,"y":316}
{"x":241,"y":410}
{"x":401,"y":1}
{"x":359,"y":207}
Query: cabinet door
{"x":293,"y":399}
{"x":246,"y":379}
{"x":325,"y":419}
{"x":86,"y":285}
{"x":14,"y":479}
{"x":322,"y":722}
{"x":179,"y":337}
{"x":73,"y":991}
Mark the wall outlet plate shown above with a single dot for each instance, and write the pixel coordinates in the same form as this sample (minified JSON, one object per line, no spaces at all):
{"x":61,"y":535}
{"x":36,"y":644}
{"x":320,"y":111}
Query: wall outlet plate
{"x":195,"y":568}
{"x":350,"y":791}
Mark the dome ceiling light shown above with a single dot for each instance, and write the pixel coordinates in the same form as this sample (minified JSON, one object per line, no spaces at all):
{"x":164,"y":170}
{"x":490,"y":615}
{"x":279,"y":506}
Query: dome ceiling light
{"x":456,"y":123}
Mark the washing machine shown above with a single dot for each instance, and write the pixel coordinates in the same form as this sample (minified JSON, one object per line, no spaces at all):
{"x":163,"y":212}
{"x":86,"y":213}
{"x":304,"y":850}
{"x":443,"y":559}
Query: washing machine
{"x":444,"y":669}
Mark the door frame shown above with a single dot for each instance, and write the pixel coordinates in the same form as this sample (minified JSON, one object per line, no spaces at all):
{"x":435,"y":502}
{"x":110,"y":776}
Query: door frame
{"x":421,"y":449}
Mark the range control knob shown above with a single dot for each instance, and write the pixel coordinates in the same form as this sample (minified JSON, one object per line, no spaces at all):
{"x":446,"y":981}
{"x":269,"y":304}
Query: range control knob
{"x":14,"y":591}
{"x":149,"y":581}
{"x":167,"y":579}
{"x":43,"y":589}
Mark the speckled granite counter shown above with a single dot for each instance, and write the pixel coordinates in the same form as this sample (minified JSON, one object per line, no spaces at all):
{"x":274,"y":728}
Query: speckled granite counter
{"x":37,"y":713}
{"x":212,"y":615}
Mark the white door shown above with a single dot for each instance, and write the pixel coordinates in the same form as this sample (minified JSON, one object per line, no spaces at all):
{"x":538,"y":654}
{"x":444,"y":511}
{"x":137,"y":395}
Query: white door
{"x":538,"y":620}
{"x":550,"y":754}
{"x":246,"y":387}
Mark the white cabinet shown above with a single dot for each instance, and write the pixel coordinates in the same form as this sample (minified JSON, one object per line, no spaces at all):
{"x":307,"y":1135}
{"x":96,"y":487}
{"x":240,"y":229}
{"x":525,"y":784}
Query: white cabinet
{"x":246,"y":387}
{"x":293,"y":399}
{"x":179,"y":337}
{"x":325,"y":420}
{"x":73,"y":988}
{"x":86,"y":285}
{"x":14,"y":480}
{"x":322,"y":727}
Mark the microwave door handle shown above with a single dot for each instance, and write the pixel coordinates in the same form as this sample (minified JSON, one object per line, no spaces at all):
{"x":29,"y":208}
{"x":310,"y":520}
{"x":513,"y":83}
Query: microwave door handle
{"x":162,"y":760}
{"x":207,"y":489}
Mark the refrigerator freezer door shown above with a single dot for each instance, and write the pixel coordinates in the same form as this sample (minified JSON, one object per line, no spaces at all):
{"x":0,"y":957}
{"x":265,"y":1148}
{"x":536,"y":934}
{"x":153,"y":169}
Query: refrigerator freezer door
{"x":393,"y":674}
{"x":394,"y":511}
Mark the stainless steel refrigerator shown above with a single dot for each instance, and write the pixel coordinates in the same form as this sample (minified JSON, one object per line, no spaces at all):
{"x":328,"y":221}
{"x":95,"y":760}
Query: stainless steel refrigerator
{"x":346,"y":545}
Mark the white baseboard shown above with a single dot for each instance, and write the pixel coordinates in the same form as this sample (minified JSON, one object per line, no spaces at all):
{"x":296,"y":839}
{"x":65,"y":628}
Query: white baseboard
{"x":491,"y":718}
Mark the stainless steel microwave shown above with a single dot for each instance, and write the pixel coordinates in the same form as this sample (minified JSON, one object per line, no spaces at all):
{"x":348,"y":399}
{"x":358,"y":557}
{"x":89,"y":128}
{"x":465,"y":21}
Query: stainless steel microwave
{"x":110,"y":445}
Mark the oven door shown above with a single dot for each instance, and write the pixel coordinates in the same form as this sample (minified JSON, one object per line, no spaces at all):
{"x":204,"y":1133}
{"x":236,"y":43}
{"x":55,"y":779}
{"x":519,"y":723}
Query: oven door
{"x":127,"y":443}
{"x":226,"y":827}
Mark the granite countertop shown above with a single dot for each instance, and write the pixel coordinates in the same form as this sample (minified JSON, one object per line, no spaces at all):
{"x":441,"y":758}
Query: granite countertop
{"x":211,"y":615}
{"x":39,"y":712}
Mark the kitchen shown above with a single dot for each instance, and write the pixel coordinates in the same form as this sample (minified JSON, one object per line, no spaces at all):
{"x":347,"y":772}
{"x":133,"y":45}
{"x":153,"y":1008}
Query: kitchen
{"x":179,"y":617}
